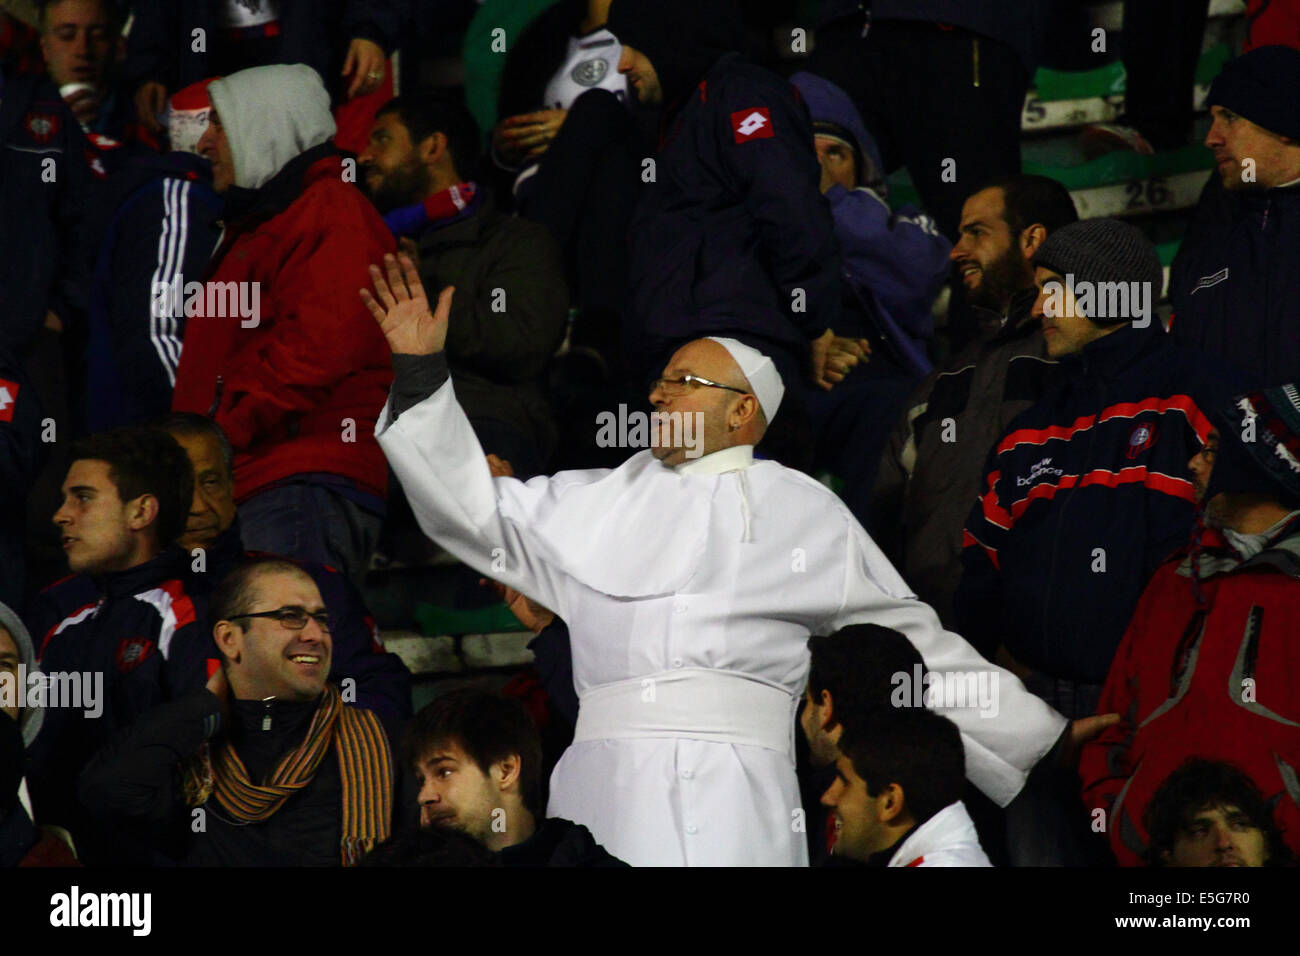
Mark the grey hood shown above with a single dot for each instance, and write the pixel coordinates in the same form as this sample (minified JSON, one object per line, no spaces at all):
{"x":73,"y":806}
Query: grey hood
{"x":29,"y":718}
{"x":271,"y":114}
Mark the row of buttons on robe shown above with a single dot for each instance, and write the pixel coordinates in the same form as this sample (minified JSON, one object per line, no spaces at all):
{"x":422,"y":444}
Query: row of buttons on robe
{"x":680,"y":607}
{"x":691,"y":828}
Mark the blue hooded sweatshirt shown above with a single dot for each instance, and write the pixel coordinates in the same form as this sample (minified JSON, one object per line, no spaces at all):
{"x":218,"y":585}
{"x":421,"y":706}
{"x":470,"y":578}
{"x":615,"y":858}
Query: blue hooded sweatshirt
{"x":893,"y":262}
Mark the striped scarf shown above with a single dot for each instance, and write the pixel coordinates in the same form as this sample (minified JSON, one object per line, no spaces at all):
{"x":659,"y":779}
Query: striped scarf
{"x":365,"y":764}
{"x":449,"y":205}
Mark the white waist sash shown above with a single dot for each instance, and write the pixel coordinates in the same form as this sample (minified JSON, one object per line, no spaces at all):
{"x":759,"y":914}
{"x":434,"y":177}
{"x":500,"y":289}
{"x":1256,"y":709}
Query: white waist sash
{"x":697,"y":703}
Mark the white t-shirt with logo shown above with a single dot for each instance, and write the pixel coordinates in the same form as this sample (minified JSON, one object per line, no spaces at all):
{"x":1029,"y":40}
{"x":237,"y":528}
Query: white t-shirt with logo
{"x":592,"y":63}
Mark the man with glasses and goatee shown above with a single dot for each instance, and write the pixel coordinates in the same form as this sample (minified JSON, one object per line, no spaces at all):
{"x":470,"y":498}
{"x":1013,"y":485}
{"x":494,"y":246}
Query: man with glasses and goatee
{"x":266,"y":765}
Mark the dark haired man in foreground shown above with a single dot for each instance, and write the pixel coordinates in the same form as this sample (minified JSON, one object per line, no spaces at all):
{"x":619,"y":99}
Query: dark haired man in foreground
{"x":123,"y":619}
{"x":1209,"y":813}
{"x":478,"y":758}
{"x":897,"y":793}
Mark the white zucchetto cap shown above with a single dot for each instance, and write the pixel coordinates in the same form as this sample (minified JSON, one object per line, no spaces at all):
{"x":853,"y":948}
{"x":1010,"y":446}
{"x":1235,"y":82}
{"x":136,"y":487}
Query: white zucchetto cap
{"x":761,"y":372}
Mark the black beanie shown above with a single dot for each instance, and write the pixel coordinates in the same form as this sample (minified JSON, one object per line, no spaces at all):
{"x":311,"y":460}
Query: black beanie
{"x":1103,"y":250}
{"x":1264,"y":87}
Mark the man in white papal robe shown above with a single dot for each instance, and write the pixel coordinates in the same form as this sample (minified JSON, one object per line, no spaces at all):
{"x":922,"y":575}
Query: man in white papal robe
{"x":690,"y":586}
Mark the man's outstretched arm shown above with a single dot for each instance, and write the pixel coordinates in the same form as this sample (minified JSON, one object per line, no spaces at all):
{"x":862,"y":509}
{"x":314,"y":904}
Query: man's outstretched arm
{"x":435,"y":454}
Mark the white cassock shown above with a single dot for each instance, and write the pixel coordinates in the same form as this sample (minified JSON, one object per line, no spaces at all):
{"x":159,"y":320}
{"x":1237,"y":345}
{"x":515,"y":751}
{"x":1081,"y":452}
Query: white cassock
{"x":690,"y":594}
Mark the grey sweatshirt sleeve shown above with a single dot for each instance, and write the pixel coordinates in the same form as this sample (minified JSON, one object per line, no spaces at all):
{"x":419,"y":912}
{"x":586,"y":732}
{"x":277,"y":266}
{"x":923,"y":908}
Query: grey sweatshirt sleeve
{"x":415,"y":378}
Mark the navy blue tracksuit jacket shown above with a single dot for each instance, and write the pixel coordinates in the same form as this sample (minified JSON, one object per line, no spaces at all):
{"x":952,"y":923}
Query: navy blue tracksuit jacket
{"x":1081,"y":499}
{"x":733,"y":236}
{"x":156,"y":223}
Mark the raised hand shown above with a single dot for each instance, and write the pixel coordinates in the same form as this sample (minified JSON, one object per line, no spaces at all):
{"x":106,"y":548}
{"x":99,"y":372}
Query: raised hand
{"x":402,"y":310}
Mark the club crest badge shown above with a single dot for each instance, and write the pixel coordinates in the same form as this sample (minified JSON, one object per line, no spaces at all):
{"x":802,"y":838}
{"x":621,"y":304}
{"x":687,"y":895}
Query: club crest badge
{"x":589,"y":72}
{"x":42,"y":127}
{"x":1140,"y":439}
{"x":132,"y":652}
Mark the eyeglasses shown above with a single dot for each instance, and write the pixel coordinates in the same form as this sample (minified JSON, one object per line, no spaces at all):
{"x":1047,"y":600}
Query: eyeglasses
{"x":680,"y":386}
{"x":292,"y":617}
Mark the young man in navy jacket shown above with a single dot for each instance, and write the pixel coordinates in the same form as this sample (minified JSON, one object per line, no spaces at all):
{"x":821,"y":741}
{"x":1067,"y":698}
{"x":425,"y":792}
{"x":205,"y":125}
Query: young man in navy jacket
{"x":1086,"y":494}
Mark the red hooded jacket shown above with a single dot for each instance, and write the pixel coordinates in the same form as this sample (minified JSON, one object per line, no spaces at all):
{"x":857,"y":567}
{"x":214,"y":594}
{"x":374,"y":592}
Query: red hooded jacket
{"x":301,"y":390}
{"x":1225,"y":686}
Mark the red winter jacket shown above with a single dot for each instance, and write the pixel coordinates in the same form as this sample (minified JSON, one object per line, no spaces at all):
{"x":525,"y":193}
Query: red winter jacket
{"x":300,"y":391}
{"x":1225,"y":688}
{"x":1272,"y":22}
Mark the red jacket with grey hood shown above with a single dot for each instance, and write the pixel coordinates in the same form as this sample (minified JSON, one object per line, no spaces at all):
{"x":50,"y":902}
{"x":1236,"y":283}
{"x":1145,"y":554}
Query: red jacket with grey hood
{"x":300,"y":390}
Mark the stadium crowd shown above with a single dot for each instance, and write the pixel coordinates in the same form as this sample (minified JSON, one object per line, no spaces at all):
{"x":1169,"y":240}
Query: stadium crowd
{"x":955,"y":538}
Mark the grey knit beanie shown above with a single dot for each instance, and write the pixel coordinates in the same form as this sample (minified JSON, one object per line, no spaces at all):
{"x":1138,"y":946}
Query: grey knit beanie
{"x":1096,"y":251}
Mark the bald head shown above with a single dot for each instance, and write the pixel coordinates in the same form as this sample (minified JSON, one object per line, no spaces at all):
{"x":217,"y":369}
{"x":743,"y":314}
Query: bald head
{"x":729,"y":411}
{"x":711,"y":360}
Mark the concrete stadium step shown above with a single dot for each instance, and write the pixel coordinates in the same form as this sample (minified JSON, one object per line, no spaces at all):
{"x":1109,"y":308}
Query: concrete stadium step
{"x":453,"y":641}
{"x":1061,"y":100}
{"x":447,"y":655}
{"x":1125,"y":184}
{"x":424,"y":655}
{"x":1121,"y":184}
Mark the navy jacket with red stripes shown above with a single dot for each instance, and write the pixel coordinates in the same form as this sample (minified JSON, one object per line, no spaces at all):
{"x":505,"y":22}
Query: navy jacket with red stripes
{"x":1083,"y":497}
{"x":140,"y":632}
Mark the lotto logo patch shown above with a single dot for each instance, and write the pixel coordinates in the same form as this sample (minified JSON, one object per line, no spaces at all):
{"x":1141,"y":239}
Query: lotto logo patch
{"x":752,"y":124}
{"x":1140,"y":439}
{"x":96,"y":165}
{"x":102,"y":142}
{"x":8,"y":399}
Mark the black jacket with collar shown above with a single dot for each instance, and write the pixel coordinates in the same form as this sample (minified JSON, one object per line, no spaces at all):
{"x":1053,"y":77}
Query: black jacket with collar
{"x":1235,"y":283}
{"x":133,"y":786}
